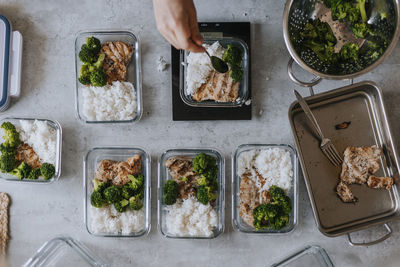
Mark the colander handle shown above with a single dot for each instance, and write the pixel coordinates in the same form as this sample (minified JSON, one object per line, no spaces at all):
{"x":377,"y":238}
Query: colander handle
{"x":364,"y":244}
{"x":309,"y":84}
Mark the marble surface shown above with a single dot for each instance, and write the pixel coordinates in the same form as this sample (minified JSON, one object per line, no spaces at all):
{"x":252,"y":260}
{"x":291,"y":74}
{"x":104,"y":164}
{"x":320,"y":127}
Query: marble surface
{"x":41,"y":212}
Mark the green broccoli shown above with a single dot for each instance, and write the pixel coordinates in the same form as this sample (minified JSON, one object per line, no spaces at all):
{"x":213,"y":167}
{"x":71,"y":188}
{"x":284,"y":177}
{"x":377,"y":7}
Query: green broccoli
{"x":233,"y":55}
{"x":47,"y":170}
{"x":112,"y":194}
{"x":137,"y":183}
{"x":7,"y":162}
{"x":135,"y":203}
{"x":11,"y":135}
{"x":93,"y":44}
{"x":121,"y":206}
{"x":86,"y":55}
{"x":22,"y":171}
{"x":34,"y":174}
{"x":127,"y":191}
{"x":97,"y":199}
{"x":170,"y":192}
{"x":205,"y":194}
{"x":236,"y":72}
{"x":98,"y":78}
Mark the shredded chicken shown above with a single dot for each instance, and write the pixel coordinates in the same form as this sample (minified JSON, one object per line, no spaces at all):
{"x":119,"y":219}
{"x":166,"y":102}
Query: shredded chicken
{"x":179,"y":167}
{"x":344,"y":192}
{"x":118,"y":55}
{"x":380,"y":182}
{"x":219,"y":87}
{"x":25,"y":153}
{"x":117,"y":171}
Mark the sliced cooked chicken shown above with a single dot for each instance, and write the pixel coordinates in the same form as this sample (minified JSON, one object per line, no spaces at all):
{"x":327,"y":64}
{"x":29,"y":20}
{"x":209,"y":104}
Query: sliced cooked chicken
{"x":380,"y":182}
{"x":344,"y":192}
{"x":359,"y":163}
{"x":219,"y":87}
{"x":25,"y":153}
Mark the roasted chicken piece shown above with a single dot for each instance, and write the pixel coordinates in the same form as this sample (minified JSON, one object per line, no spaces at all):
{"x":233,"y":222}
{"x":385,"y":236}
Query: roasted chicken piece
{"x":117,"y":57}
{"x":117,"y":171}
{"x":380,"y":182}
{"x":25,"y":153}
{"x":249,"y":197}
{"x":359,"y":163}
{"x":181,"y":170}
{"x":344,"y":192}
{"x":219,"y":87}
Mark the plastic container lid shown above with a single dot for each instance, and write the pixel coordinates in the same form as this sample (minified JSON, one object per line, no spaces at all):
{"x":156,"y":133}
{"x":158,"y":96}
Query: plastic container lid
{"x":64,"y":251}
{"x":10,"y":62}
{"x":309,"y":256}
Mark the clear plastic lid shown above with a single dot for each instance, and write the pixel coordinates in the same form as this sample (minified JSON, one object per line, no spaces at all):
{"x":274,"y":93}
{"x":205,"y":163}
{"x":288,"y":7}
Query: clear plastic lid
{"x":5,"y":31}
{"x":64,"y":251}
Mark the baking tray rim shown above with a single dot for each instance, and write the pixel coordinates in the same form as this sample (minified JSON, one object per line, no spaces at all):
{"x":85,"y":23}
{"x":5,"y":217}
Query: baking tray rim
{"x":365,"y":224}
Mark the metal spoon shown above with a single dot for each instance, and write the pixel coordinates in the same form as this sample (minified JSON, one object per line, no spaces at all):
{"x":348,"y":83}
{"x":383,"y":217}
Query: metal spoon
{"x":218,"y":64}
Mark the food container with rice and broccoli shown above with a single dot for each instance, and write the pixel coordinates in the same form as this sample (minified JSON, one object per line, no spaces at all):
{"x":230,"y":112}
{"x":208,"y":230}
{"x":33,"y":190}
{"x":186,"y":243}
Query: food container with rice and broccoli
{"x":265,"y":189}
{"x":117,"y":192}
{"x":30,"y":150}
{"x":201,"y":85}
{"x":108,"y":77}
{"x":191,"y":193}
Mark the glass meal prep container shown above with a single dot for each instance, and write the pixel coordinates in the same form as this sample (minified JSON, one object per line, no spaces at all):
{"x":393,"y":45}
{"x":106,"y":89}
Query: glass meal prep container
{"x":309,"y":256}
{"x":90,"y":165}
{"x":57,"y":127}
{"x":134,"y":71}
{"x":164,"y":176}
{"x":243,"y":87}
{"x":238,"y":223}
{"x":64,"y":252}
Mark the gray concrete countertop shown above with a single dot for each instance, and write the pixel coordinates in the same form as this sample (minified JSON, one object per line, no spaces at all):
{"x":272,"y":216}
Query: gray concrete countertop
{"x":41,"y":212}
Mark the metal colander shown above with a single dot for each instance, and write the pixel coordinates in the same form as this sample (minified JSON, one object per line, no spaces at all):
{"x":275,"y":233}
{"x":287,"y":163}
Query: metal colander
{"x":298,"y":12}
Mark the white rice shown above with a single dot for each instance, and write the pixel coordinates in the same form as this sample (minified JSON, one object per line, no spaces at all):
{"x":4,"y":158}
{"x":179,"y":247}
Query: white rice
{"x":190,"y":218}
{"x":273,"y":164}
{"x":199,"y":67}
{"x":111,"y":102}
{"x":108,"y":220}
{"x":41,"y":137}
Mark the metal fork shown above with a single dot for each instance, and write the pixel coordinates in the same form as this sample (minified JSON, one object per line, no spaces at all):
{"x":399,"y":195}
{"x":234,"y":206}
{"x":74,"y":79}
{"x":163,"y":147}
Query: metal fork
{"x":326,"y":145}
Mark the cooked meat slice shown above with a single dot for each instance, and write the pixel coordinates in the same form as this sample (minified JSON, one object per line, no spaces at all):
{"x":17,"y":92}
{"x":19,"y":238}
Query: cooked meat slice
{"x":380,"y":182}
{"x":359,"y":163}
{"x":180,"y":167}
{"x":4,"y":204}
{"x":219,"y":87}
{"x":25,"y":153}
{"x":344,"y":192}
{"x":249,"y":197}
{"x":136,"y":164}
{"x":105,"y":171}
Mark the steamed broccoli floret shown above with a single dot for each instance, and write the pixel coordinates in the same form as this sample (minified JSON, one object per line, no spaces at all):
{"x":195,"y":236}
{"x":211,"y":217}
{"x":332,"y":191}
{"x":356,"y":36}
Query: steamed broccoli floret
{"x":112,"y":194}
{"x":34,"y":174}
{"x":86,"y":55}
{"x":135,"y":203}
{"x":137,"y":183}
{"x":7,"y":162}
{"x":98,"y":78}
{"x":97,"y":199}
{"x":121,"y":206}
{"x":93,"y":44}
{"x":11,"y":135}
{"x":47,"y":170}
{"x":205,"y":194}
{"x":170,"y":192}
{"x":22,"y":171}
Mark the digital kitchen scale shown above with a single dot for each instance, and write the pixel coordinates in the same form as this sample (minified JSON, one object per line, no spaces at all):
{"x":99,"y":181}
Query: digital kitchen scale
{"x":183,"y":112}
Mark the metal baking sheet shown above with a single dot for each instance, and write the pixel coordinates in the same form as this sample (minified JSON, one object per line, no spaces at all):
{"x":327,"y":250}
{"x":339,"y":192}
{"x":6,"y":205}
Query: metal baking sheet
{"x":362,"y":104}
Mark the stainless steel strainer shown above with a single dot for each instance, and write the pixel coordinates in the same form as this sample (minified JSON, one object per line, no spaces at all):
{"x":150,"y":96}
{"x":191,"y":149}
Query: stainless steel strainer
{"x":296,"y":15}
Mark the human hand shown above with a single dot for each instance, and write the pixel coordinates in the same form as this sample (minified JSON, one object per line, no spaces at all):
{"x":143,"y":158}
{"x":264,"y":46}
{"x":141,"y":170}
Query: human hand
{"x":177,"y":22}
